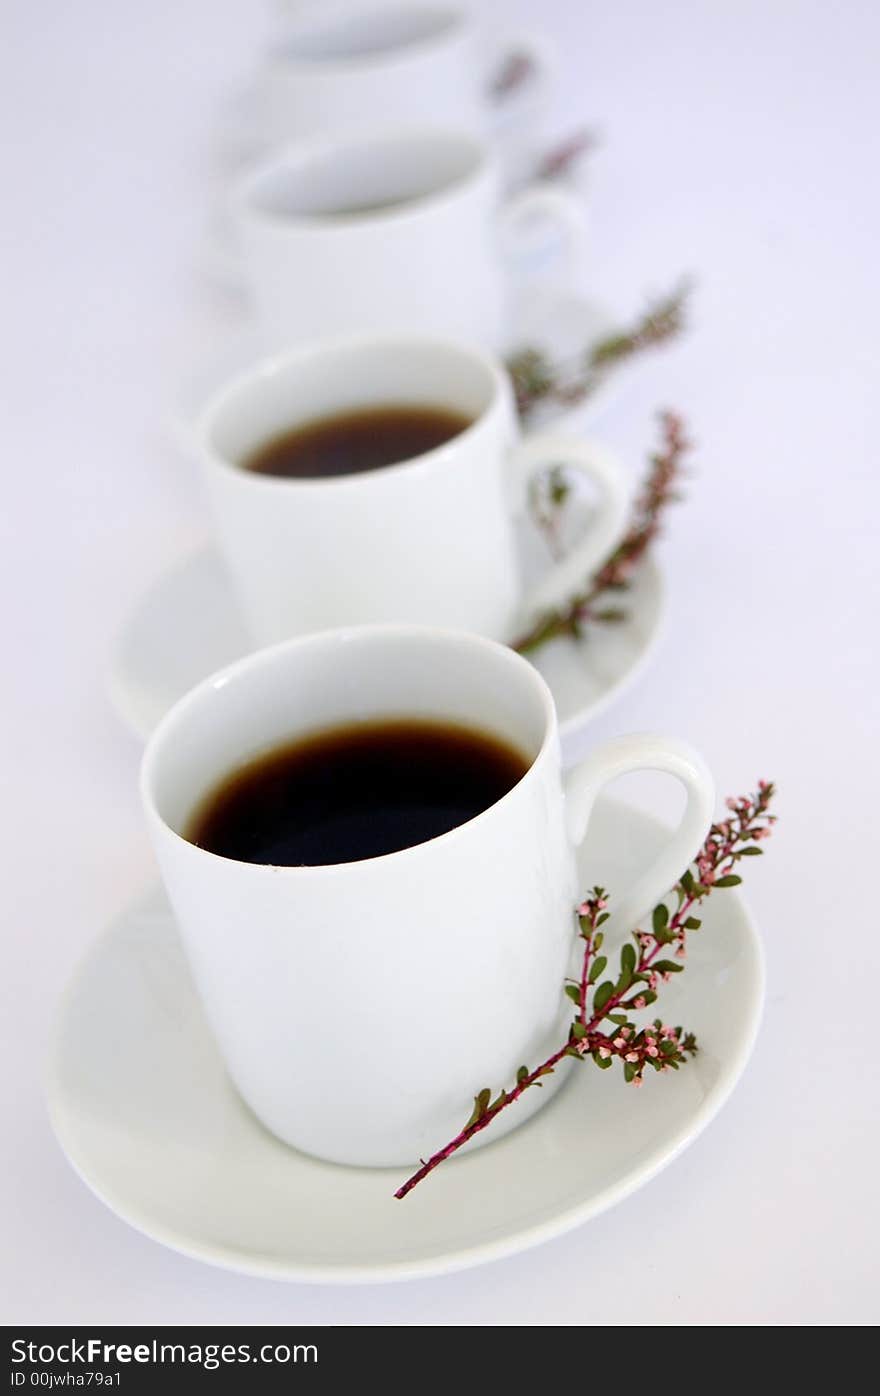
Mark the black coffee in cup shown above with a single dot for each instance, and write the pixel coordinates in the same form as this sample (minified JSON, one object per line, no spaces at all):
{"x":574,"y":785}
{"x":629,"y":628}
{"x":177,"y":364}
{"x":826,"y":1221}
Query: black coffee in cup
{"x":356,"y":791}
{"x":351,"y":442}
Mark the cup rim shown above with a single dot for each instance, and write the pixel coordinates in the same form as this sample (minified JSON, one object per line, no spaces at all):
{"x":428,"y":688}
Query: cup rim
{"x":276,"y":363}
{"x":341,"y":635}
{"x":457,"y":22}
{"x":296,"y":155}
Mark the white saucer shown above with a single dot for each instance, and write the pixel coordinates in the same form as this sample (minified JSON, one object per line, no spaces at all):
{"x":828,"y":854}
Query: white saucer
{"x":188,"y":624}
{"x":559,"y":322}
{"x":143,"y":1109}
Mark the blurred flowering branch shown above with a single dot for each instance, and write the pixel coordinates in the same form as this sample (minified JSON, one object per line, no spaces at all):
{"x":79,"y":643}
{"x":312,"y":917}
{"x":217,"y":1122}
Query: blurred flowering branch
{"x":515,"y":71}
{"x":562,"y":160}
{"x":538,"y":380}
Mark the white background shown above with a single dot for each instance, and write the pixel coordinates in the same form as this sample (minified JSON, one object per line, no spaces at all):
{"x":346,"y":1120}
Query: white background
{"x":739,"y":144}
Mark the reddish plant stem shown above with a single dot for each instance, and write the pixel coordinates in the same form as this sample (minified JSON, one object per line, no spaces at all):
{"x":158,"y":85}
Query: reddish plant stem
{"x":484,"y":1120}
{"x":559,"y":161}
{"x":585,"y":981}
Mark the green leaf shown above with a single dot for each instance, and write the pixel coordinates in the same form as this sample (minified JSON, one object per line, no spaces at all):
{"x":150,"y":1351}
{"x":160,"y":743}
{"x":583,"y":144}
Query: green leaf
{"x":753,"y":851}
{"x":597,"y":967}
{"x":500,"y":1099}
{"x":660,"y":917}
{"x":574,"y":993}
{"x":668,"y":1048}
{"x":603,"y":1063}
{"x":693,"y":923}
{"x":481,"y":1103}
{"x":619,"y":1018}
{"x":628,"y":959}
{"x":602,"y":995}
{"x":600,"y":920}
{"x":687,"y":881}
{"x":578,"y":1030}
{"x":521,"y":1074}
{"x":572,"y":1052}
{"x":667,"y":967}
{"x":730,"y":880}
{"x":585,"y":925}
{"x":629,"y":1070}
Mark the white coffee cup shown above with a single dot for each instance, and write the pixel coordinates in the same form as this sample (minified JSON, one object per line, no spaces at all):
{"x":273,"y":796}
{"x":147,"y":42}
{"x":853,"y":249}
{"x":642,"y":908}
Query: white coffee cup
{"x":359,"y":1006}
{"x":394,"y":229}
{"x":337,"y":64}
{"x":428,"y":541}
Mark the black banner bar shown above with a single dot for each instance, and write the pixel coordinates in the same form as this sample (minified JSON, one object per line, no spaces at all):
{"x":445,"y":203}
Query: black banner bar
{"x":134,"y":1360}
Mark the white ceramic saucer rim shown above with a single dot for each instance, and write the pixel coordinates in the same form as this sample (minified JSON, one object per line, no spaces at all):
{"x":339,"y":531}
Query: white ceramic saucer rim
{"x":190,"y":400}
{"x":571,"y":726}
{"x":126,"y":707}
{"x":464,"y":1257}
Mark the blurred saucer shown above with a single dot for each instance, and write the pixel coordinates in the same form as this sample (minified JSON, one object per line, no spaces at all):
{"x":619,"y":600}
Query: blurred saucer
{"x":188,"y":624}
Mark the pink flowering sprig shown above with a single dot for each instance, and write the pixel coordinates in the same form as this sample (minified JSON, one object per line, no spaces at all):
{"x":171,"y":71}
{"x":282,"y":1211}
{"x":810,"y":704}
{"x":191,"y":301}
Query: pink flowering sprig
{"x":539,"y":380}
{"x":561,"y":161}
{"x":603,"y":1029}
{"x":591,"y":603}
{"x":517,"y":69}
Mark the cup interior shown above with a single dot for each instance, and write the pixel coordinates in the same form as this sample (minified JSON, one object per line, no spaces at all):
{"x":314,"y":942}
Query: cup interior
{"x":339,"y":677}
{"x":348,"y":34}
{"x":337,"y":378}
{"x":363,"y":180}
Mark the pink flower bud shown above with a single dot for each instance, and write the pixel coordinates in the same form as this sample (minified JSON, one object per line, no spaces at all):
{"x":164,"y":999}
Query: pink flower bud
{"x":636,"y":1081}
{"x":731,"y":803}
{"x":620,"y":1043}
{"x":639,"y":1002}
{"x":604,"y":1051}
{"x":631,"y":1057}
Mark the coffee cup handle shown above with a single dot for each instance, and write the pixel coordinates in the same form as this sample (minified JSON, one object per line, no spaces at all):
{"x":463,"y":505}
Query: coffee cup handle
{"x":644,"y":752}
{"x":538,"y":454}
{"x":543,"y":233}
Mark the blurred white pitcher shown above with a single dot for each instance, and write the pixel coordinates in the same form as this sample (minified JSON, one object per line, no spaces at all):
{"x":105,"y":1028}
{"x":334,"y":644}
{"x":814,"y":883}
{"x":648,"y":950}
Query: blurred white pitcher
{"x":396,"y":229}
{"x":429,"y":540}
{"x":339,"y":63}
